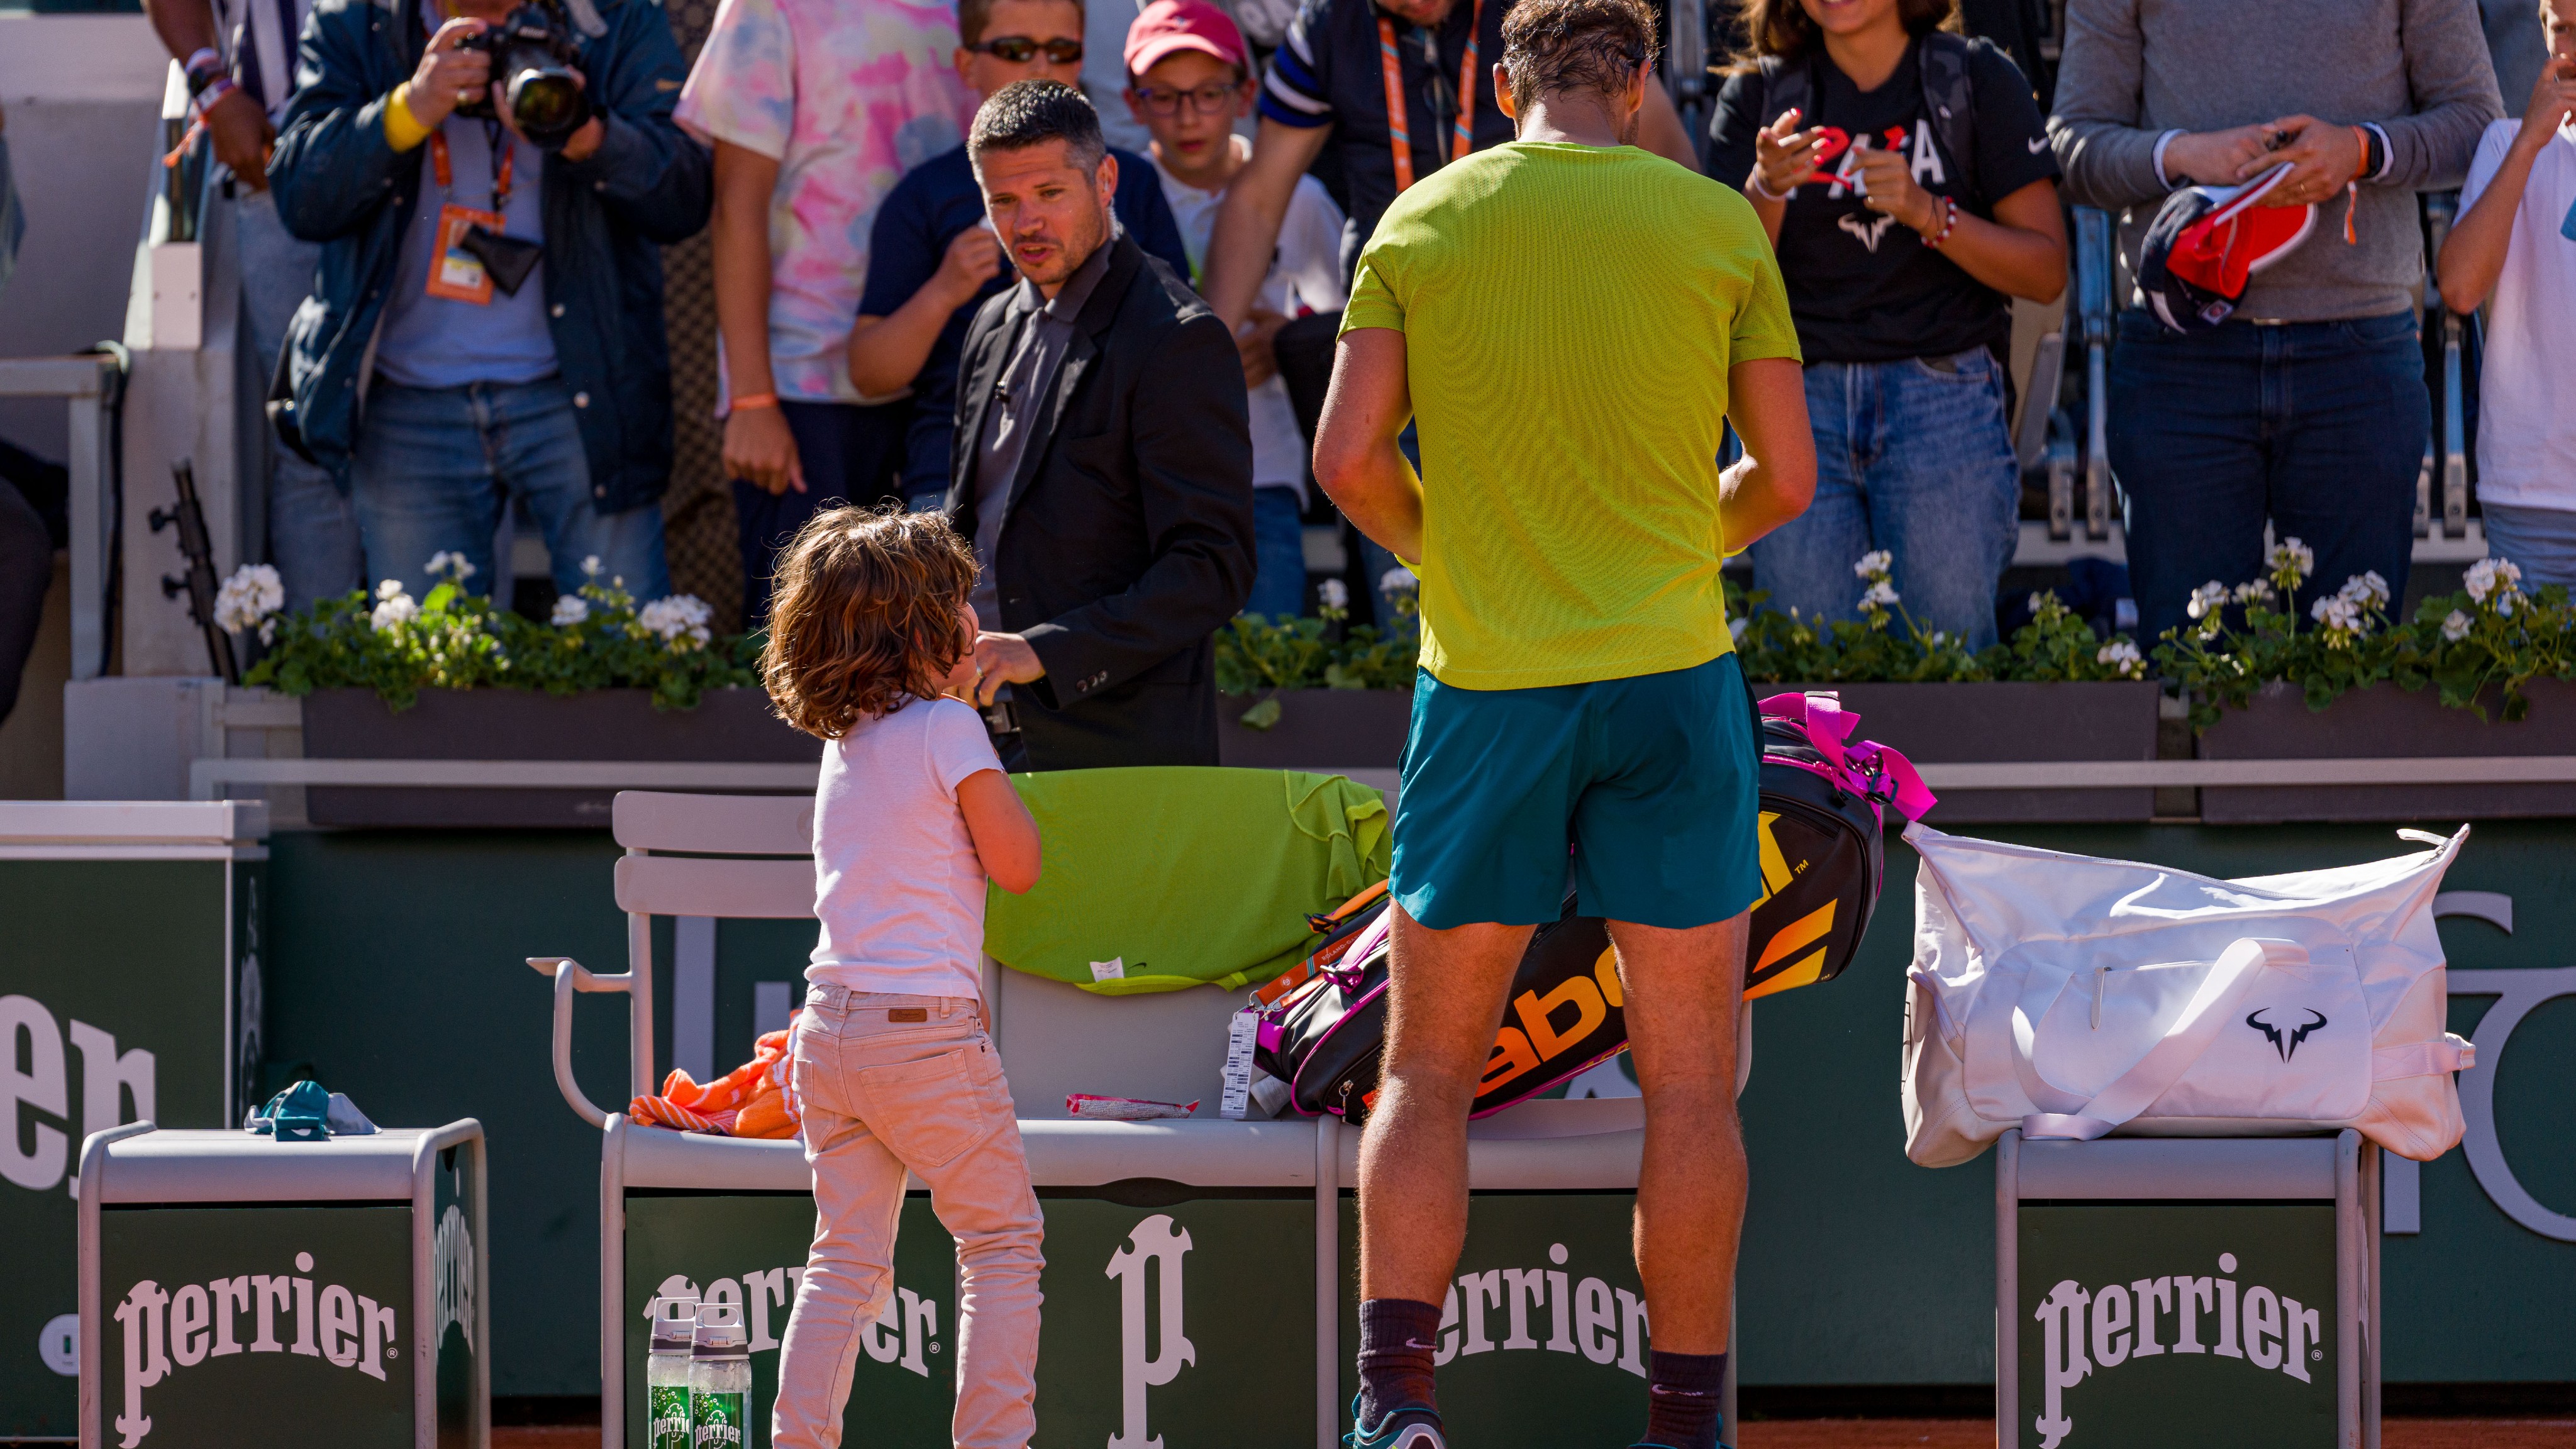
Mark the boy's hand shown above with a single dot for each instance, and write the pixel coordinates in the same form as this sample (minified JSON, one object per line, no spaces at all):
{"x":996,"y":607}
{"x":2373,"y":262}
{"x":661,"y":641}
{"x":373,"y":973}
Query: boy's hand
{"x":759,"y":450}
{"x":2553,"y":100}
{"x":972,"y":260}
{"x":1260,"y":329}
{"x":1784,"y":156}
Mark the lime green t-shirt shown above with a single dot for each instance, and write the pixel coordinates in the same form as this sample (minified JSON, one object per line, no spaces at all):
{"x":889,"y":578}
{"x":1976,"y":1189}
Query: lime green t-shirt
{"x":1569,"y":315}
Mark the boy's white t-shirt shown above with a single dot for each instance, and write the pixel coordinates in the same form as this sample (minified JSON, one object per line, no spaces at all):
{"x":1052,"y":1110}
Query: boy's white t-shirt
{"x":897,"y":884}
{"x":1305,"y":271}
{"x":2527,"y":384}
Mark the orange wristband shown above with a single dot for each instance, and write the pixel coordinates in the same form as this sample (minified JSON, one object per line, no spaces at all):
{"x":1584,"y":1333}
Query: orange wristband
{"x":753,"y":400}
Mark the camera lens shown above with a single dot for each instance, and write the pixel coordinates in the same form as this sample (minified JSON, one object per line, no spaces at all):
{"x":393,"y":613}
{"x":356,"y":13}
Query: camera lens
{"x":545,"y":101}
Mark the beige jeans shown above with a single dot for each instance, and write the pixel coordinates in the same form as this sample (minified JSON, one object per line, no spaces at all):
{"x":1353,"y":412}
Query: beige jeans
{"x":925,"y":1093}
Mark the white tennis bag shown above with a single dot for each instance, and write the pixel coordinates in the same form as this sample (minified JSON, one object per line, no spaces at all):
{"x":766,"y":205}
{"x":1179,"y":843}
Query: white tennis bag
{"x":2071,"y":997}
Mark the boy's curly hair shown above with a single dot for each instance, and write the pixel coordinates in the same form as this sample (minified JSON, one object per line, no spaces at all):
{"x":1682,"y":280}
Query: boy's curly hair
{"x":864,"y":619}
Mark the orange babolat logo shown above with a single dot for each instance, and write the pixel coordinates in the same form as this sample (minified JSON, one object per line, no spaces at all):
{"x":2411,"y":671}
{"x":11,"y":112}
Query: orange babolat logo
{"x":1785,"y":943}
{"x":1540,"y":1039}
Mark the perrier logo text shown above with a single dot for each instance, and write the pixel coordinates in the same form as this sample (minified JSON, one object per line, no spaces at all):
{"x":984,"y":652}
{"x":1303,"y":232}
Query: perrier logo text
{"x":716,"y":1420}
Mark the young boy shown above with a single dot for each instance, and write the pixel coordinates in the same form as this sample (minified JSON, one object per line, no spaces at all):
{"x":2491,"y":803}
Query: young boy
{"x":931,"y":259}
{"x":2516,"y":240}
{"x":815,"y":109}
{"x":892,"y":1064}
{"x":1188,"y":82}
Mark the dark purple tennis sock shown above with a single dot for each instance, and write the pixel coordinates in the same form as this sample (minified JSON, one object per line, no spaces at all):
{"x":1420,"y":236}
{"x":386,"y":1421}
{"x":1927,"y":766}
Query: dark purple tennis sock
{"x":1682,"y":1411}
{"x":1397,"y":1338}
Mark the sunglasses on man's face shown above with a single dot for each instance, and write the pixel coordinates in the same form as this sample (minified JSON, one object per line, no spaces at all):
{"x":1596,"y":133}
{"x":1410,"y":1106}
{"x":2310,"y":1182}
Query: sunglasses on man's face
{"x":1020,"y":49}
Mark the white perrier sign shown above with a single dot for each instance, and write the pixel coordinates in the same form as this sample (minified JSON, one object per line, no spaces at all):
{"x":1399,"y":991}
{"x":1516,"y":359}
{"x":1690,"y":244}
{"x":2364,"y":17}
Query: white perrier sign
{"x":2157,"y":1324}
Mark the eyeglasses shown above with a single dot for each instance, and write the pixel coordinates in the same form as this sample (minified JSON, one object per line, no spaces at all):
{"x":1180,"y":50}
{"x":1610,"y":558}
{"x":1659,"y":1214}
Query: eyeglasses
{"x":1020,"y":50}
{"x":1207,"y":100}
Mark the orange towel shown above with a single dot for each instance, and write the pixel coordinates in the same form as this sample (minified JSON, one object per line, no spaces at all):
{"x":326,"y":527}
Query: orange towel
{"x":756,"y":1099}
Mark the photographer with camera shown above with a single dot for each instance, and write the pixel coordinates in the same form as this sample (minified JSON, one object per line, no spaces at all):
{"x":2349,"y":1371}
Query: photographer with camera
{"x":492,"y":186}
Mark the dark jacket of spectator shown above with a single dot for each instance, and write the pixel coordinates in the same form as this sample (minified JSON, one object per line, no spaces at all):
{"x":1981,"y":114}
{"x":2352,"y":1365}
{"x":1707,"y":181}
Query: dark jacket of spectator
{"x":1128,"y":537}
{"x":2134,"y":72}
{"x":338,"y":181}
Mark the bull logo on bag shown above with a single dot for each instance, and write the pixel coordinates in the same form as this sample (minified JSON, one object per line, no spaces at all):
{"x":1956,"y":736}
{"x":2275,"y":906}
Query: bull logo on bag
{"x":2272,"y":1033}
{"x":1154,"y":1240}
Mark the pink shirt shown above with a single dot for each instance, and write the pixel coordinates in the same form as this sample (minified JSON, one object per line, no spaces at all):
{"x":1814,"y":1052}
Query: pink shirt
{"x":846,"y":95}
{"x":897,"y":884}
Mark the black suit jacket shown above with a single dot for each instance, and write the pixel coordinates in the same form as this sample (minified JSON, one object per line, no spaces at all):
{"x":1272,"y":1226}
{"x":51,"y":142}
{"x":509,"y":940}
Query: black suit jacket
{"x":1128,"y":540}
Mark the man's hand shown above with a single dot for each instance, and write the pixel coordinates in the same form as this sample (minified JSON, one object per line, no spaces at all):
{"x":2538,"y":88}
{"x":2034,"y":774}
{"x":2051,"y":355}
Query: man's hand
{"x":1253,"y":341}
{"x":2218,"y":158}
{"x":1887,"y":186}
{"x":2324,"y":157}
{"x":972,"y":260}
{"x":759,"y":450}
{"x":242,"y":136}
{"x":1003,"y":659}
{"x":448,"y":77}
{"x":2553,"y":100}
{"x":1784,"y":157}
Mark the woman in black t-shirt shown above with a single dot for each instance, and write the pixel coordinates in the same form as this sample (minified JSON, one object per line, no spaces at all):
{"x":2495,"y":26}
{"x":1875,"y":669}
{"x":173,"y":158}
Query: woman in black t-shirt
{"x":1906,"y":180}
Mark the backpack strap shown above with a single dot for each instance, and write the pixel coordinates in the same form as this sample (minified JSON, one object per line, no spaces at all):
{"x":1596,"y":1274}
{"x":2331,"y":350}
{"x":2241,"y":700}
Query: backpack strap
{"x":1952,"y":103}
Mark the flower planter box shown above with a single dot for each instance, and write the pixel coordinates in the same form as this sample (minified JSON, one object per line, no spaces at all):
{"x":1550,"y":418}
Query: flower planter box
{"x":1318,"y":729}
{"x":2381,"y":722}
{"x":2009,"y":723}
{"x":509,"y":724}
{"x":1344,"y":729}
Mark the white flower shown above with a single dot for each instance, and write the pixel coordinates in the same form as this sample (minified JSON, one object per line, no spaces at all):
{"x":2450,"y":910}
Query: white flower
{"x":2292,"y":556}
{"x":389,"y":589}
{"x":2248,"y":593}
{"x":1873,"y":564}
{"x":450,"y":565}
{"x":1333,"y":594}
{"x":2123,"y":659}
{"x":2455,"y":626}
{"x":2341,"y":613}
{"x":590,"y":567}
{"x":2206,"y":599}
{"x":570,"y":609}
{"x":1880,"y":595}
{"x":2504,"y":602}
{"x":268,"y":631}
{"x":680,"y":615}
{"x":2492,"y":576}
{"x":397,"y":608}
{"x":2039,"y":601}
{"x":1397,"y":580}
{"x":2367,"y":589}
{"x":252,"y":594}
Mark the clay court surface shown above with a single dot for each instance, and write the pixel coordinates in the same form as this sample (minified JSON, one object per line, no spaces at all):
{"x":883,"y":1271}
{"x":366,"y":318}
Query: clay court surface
{"x":1909,"y":1434}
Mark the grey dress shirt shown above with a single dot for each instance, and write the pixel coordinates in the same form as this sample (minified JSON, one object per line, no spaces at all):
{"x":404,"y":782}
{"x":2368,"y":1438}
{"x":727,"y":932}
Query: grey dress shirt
{"x":1026,"y":385}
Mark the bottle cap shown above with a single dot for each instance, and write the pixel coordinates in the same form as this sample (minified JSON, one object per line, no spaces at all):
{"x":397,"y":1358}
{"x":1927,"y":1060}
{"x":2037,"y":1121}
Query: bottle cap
{"x":675,"y":1324}
{"x":720,"y":1333}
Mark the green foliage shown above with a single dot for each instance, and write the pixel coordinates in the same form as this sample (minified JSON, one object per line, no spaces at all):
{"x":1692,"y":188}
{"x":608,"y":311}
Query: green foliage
{"x":1256,"y":655}
{"x":599,"y":639}
{"x":1886,"y":645}
{"x":2488,"y":641}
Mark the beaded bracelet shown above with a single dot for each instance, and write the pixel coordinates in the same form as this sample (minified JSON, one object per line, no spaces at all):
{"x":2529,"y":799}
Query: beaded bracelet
{"x":1949,"y":222}
{"x":202,"y":68}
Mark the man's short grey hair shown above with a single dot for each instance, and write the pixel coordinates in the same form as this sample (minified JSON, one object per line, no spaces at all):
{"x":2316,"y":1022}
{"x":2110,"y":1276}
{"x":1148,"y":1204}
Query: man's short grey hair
{"x":1033,"y":112}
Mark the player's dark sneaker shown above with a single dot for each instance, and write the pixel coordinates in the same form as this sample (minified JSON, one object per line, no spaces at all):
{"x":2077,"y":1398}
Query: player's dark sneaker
{"x":1409,"y":1427}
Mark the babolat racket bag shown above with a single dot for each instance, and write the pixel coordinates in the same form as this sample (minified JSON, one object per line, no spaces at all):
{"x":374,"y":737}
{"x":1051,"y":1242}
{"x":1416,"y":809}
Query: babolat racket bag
{"x":1823,"y":806}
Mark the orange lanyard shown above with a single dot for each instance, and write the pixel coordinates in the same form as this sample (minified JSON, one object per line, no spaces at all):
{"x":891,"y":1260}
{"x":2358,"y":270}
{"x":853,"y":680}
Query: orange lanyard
{"x":1399,"y":136}
{"x":500,"y":177}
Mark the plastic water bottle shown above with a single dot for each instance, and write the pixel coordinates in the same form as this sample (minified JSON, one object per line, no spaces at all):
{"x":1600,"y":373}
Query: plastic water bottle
{"x":666,"y":1373}
{"x":719,"y":1379}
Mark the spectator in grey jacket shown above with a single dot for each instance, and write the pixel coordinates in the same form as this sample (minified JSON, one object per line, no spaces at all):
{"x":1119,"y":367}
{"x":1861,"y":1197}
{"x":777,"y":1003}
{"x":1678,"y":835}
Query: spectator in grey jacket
{"x":2307,"y":407}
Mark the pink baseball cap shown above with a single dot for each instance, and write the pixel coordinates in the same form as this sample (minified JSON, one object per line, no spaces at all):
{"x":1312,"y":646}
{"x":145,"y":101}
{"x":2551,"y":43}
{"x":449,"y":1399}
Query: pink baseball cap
{"x":1167,"y":26}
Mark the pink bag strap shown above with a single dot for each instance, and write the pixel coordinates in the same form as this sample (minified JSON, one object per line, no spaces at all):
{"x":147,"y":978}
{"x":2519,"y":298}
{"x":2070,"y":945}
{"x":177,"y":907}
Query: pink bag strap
{"x":1865,"y":767}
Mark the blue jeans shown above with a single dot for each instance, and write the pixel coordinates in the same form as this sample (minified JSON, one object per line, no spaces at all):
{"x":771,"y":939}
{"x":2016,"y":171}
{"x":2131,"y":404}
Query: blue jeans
{"x":2317,"y":426}
{"x":1913,"y":459}
{"x":2539,"y":541}
{"x":435,"y":467}
{"x":312,"y":529}
{"x":1279,"y":555}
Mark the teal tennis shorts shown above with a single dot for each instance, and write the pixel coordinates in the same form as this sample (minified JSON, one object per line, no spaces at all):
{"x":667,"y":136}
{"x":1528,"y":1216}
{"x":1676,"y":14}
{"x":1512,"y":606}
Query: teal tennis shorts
{"x":1652,"y":783}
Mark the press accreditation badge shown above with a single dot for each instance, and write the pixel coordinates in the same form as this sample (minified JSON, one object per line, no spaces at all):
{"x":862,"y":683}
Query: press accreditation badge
{"x":457,"y":274}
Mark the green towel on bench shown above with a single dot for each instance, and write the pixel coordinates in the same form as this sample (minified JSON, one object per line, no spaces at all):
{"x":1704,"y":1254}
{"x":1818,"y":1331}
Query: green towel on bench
{"x":1162,"y":878}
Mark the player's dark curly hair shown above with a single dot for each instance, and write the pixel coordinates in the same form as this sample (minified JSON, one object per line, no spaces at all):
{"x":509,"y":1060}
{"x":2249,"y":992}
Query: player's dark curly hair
{"x":865,"y":616}
{"x":1551,"y":47}
{"x":1783,"y":28}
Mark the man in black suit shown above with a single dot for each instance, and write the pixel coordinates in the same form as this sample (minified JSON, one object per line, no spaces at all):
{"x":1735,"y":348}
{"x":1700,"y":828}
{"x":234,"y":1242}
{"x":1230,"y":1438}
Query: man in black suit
{"x":1103,"y":465}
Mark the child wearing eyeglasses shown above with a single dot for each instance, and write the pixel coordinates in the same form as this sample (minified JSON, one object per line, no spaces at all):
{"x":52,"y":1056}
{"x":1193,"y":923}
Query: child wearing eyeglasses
{"x":814,"y":108}
{"x":932,"y":262}
{"x":1189,"y":79}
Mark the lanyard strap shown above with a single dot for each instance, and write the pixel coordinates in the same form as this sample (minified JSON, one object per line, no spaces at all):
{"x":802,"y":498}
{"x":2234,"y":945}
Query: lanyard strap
{"x":1399,"y":136}
{"x":501,"y":173}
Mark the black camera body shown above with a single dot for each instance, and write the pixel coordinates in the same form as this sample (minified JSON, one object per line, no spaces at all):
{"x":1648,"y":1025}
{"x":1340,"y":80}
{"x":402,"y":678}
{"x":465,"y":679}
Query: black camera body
{"x":533,"y":58}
